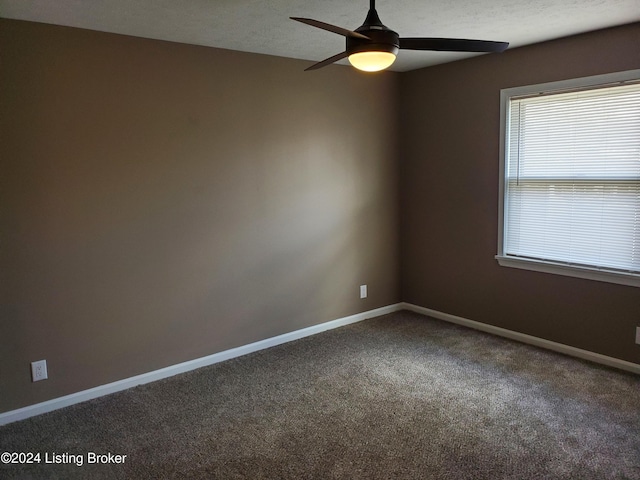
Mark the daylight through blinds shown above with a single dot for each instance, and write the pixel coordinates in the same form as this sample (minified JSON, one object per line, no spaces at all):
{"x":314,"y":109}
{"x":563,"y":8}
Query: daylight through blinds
{"x":572,"y":187}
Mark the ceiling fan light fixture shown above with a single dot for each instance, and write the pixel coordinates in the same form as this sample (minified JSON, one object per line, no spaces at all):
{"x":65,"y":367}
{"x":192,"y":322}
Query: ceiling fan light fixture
{"x":372,"y":46}
{"x":372,"y":61}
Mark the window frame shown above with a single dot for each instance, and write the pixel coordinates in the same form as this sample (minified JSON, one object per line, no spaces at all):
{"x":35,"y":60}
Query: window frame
{"x":579,"y":271}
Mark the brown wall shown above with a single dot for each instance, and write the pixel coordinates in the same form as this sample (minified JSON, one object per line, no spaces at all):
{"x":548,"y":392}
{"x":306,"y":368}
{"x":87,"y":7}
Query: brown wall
{"x":449,"y":198}
{"x":161,"y":202}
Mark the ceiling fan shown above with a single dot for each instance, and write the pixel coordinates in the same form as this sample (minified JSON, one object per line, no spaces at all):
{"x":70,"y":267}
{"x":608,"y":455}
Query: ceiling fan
{"x":373,"y":46}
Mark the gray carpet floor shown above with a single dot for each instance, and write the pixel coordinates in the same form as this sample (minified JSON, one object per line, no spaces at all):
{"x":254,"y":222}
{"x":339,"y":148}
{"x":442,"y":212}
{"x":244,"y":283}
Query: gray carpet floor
{"x":400,"y":396}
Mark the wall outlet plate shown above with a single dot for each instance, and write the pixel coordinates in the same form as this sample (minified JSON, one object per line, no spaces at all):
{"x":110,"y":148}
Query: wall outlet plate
{"x":39,"y":370}
{"x":363,"y":291}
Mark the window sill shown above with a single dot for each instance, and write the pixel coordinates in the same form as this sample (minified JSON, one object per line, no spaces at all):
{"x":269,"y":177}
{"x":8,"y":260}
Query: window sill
{"x":628,"y":279}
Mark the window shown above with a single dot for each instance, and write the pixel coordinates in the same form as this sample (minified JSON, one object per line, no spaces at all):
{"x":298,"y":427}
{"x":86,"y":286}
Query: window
{"x":570,"y":178}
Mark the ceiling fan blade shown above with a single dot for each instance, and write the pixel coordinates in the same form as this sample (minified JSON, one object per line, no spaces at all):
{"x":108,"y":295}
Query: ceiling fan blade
{"x":328,"y":61}
{"x":331,"y":28}
{"x":452,"y":45}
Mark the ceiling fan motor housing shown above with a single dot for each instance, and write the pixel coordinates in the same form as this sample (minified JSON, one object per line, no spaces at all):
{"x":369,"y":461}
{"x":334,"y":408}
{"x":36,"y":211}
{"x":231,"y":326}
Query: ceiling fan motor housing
{"x":381,"y":37}
{"x":380,"y":40}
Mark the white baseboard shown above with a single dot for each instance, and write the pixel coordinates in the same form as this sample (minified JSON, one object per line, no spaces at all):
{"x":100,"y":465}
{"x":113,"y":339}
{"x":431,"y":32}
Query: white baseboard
{"x":102,"y":390}
{"x":83,"y":396}
{"x":524,"y":338}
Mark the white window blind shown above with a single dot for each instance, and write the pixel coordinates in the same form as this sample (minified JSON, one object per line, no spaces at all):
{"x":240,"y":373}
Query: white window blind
{"x":572,"y":178}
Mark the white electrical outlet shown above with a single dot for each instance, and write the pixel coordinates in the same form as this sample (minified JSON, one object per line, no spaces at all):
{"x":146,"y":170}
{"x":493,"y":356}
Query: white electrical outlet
{"x":363,"y":291}
{"x":638,"y":335}
{"x":39,"y":370}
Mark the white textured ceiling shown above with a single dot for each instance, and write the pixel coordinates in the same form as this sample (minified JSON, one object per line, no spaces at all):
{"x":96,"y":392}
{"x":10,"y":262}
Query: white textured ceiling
{"x":263,"y":26}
